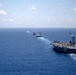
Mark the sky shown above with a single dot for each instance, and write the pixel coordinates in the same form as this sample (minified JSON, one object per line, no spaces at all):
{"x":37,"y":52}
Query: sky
{"x":37,"y":13}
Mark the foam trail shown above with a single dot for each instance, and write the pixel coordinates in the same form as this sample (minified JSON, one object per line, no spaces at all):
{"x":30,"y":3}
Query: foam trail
{"x":73,"y":56}
{"x":28,"y":32}
{"x":45,"y":40}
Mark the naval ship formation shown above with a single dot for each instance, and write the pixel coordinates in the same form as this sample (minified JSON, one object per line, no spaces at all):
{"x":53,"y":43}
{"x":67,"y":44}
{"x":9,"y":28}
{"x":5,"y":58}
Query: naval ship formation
{"x":64,"y":47}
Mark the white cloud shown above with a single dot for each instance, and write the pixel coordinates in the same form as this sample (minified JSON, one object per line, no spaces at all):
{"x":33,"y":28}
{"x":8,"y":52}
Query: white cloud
{"x":48,"y":23}
{"x":74,"y":9}
{"x":5,"y":20}
{"x":19,"y":22}
{"x":10,"y":20}
{"x":64,"y":11}
{"x":60,"y":3}
{"x":32,"y":23}
{"x":54,"y":20}
{"x":13,"y":14}
{"x":61,"y":19}
{"x":2,"y":12}
{"x":48,"y":20}
{"x":0,"y":4}
{"x":53,"y":10}
{"x":71,"y":20}
{"x":33,"y":7}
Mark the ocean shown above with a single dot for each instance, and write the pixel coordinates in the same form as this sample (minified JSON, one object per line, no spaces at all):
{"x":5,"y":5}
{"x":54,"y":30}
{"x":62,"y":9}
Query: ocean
{"x":21,"y":53}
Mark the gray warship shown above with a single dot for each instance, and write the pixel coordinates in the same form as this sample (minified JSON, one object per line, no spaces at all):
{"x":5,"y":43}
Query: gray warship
{"x":65,"y":47}
{"x":37,"y":35}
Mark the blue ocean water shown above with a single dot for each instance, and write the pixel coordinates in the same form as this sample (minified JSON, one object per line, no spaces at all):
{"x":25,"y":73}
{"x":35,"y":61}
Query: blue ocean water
{"x":21,"y":53}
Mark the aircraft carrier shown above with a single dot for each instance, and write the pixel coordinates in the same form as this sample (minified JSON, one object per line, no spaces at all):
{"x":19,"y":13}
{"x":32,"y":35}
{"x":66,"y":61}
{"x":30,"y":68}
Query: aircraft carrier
{"x":65,"y":47}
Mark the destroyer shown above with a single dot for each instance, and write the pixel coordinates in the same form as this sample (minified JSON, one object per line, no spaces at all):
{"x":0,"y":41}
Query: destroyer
{"x":37,"y":35}
{"x":65,"y":47}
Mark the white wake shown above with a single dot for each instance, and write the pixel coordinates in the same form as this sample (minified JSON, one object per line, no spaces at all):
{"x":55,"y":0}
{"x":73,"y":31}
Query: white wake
{"x":45,"y":40}
{"x":73,"y":56}
{"x":28,"y":32}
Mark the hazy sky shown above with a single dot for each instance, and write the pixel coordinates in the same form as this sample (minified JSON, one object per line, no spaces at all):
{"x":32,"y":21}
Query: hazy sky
{"x":37,"y":13}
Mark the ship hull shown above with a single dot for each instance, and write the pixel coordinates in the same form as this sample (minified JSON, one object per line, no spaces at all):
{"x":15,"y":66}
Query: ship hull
{"x":39,"y":36}
{"x":63,"y":50}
